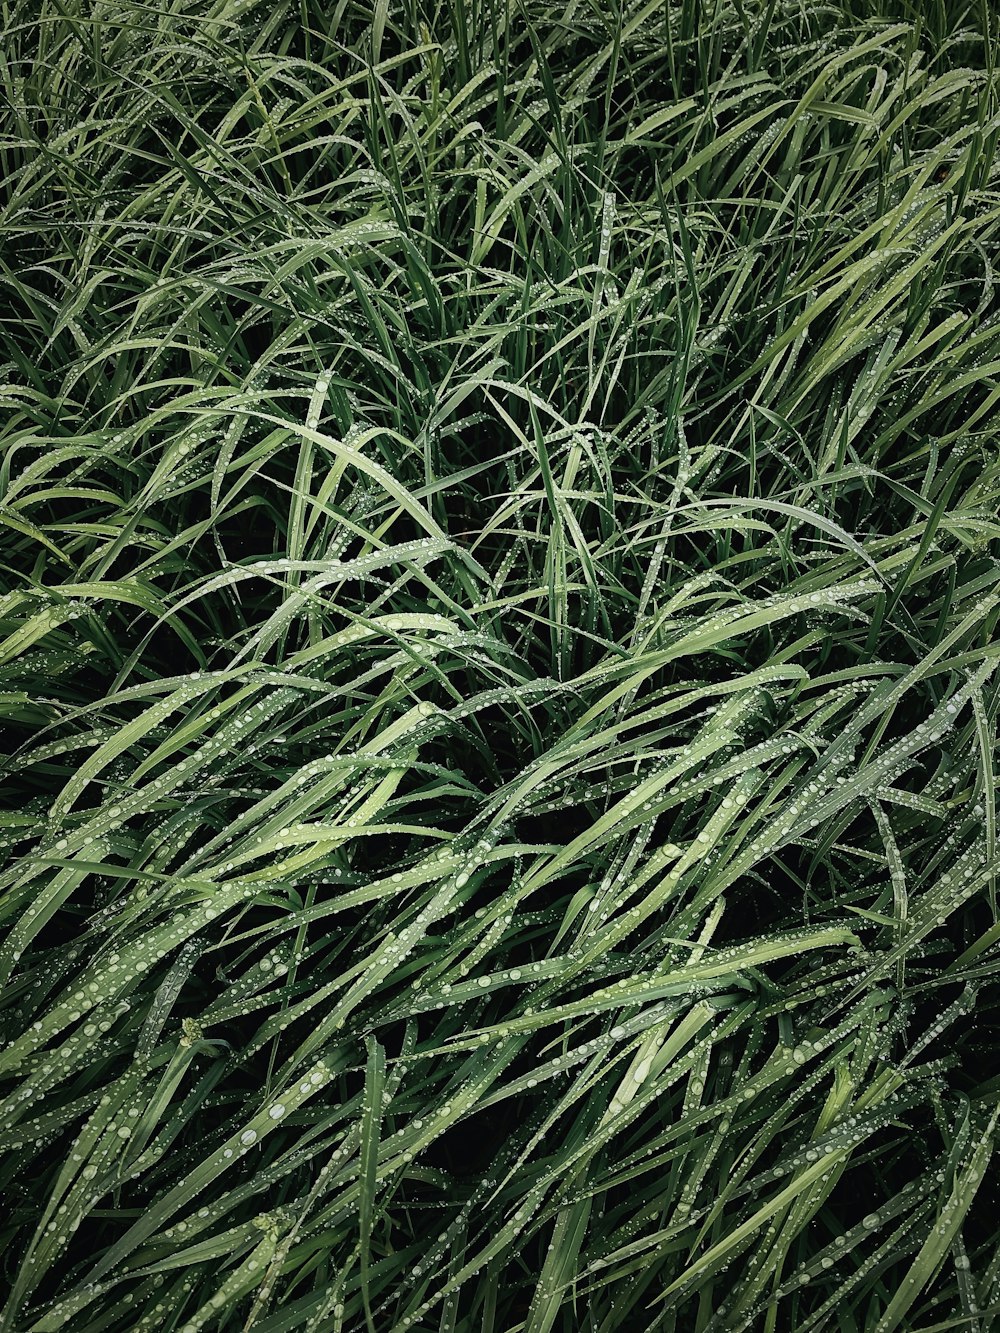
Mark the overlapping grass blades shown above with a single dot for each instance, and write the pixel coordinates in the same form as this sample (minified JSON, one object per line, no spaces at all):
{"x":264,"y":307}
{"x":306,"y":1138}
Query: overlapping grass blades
{"x":499,"y":517}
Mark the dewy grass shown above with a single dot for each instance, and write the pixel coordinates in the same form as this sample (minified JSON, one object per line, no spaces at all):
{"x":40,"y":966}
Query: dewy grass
{"x":499,"y":513}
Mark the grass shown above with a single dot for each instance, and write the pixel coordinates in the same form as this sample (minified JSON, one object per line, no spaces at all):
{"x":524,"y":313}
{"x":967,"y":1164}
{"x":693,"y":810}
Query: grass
{"x":498,"y":654}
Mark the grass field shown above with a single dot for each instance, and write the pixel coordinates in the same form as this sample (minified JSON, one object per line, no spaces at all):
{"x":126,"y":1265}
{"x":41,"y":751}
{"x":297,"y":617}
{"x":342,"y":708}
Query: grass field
{"x":499,"y":532}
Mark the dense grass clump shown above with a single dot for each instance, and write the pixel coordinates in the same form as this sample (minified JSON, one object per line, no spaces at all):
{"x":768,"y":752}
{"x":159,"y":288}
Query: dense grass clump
{"x":499,"y":539}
